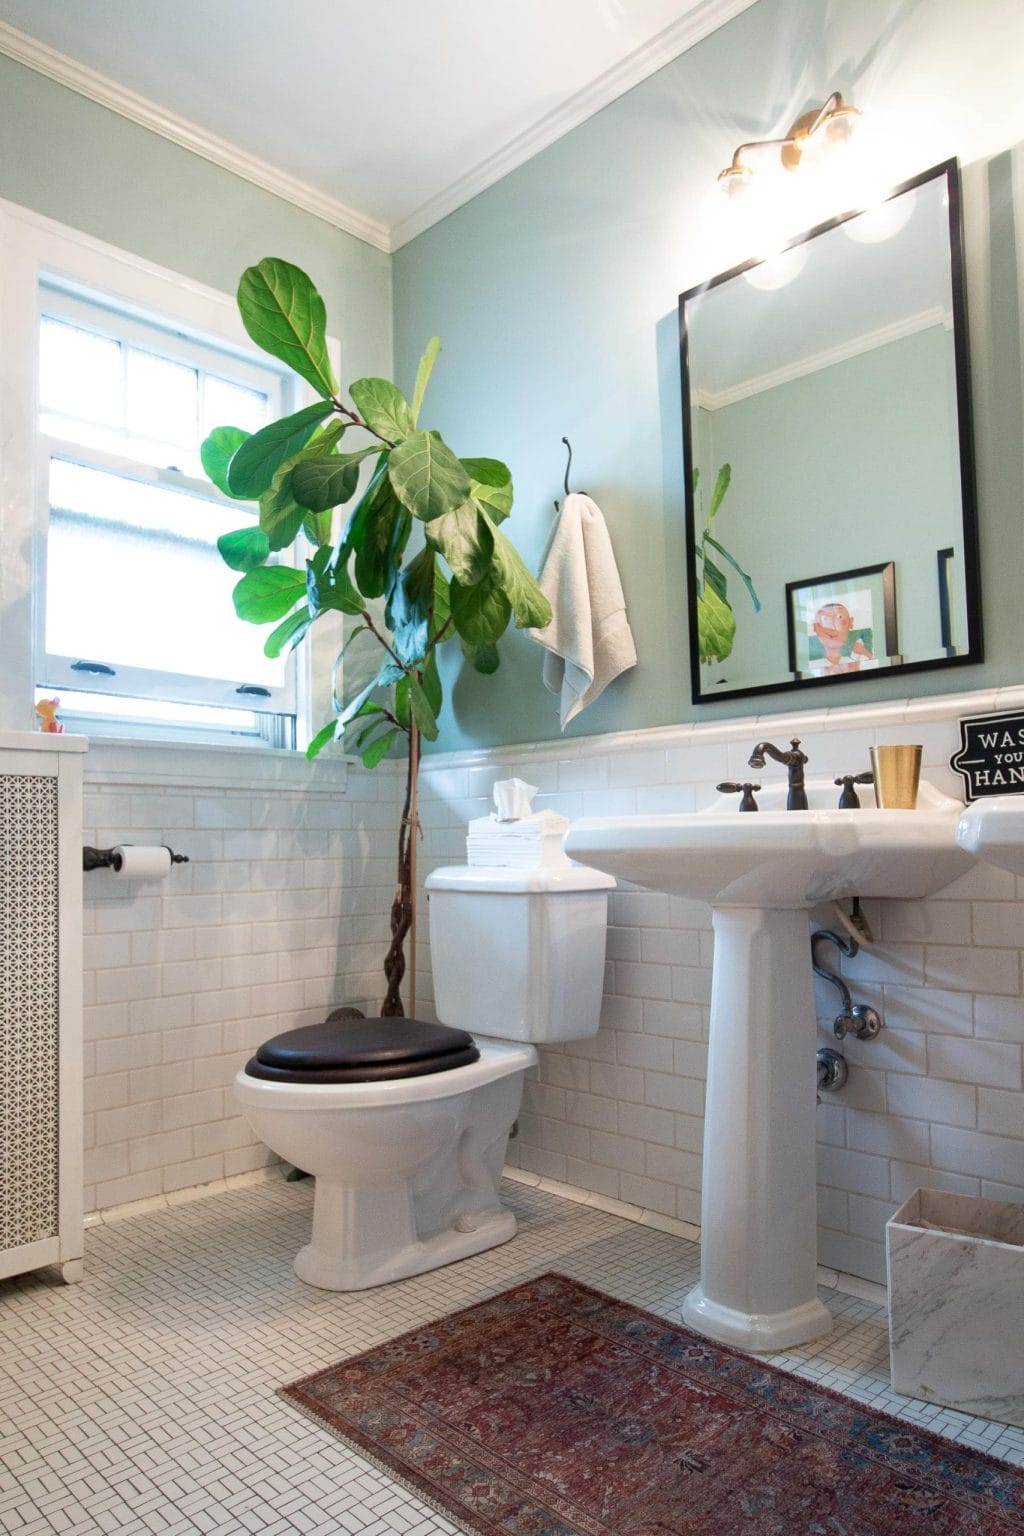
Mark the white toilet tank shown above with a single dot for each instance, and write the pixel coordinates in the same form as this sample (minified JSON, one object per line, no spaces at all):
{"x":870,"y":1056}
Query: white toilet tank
{"x":519,"y":954}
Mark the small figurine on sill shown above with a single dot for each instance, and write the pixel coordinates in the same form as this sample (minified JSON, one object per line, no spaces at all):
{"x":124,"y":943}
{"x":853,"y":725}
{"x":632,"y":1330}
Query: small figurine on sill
{"x":47,"y":709}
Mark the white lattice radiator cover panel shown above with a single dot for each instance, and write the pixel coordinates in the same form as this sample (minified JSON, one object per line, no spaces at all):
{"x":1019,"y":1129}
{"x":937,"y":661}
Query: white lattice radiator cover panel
{"x":29,"y":1009}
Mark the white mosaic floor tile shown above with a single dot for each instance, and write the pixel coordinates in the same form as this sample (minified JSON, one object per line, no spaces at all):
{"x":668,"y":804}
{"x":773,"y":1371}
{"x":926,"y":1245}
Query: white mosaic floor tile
{"x":141,"y":1402}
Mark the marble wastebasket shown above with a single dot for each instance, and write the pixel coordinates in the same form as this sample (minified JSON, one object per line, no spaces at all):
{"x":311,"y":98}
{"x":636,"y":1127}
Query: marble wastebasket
{"x":956,"y":1303}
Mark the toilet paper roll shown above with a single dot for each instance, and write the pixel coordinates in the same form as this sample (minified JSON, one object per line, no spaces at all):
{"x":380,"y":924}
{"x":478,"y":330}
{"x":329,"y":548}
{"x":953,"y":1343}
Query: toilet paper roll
{"x":133,"y":861}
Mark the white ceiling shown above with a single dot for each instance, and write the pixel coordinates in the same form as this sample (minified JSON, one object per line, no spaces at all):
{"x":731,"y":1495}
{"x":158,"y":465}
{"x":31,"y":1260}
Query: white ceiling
{"x":382,"y":117}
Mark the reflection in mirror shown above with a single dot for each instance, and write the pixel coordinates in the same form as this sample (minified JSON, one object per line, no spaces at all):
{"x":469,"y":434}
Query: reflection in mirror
{"x":826,"y":416}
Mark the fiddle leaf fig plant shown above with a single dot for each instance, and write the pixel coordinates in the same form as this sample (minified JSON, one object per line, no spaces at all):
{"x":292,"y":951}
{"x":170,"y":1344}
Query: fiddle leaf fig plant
{"x":716,"y":621}
{"x":417,"y":559}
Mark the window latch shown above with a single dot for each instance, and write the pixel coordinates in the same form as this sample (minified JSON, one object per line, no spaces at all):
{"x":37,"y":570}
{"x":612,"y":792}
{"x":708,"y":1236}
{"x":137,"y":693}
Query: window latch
{"x":94,"y":668}
{"x":254,"y":691}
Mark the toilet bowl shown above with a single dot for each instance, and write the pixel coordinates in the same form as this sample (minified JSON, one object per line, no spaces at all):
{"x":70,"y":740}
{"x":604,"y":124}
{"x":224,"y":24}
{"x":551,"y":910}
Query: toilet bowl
{"x":407,"y":1150}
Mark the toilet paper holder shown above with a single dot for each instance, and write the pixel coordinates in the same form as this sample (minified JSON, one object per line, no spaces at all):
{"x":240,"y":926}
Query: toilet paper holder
{"x":110,"y":858}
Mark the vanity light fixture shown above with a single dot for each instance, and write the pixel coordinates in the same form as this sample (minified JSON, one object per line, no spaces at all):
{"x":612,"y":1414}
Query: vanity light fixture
{"x":814,"y":132}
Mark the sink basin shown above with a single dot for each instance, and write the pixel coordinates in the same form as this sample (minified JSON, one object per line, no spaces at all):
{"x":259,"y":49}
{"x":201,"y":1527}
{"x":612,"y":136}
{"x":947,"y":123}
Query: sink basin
{"x":781,"y":858}
{"x":760,"y":872}
{"x":993,"y":831}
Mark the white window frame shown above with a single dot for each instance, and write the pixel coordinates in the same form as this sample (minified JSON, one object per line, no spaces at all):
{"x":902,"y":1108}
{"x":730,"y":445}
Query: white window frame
{"x":35,"y":251}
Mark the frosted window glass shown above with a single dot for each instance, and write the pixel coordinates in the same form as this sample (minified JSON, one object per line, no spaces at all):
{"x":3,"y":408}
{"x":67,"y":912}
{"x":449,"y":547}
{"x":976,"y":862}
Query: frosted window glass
{"x":134,"y":578}
{"x":162,"y":399}
{"x":230,"y":405}
{"x":80,"y":373}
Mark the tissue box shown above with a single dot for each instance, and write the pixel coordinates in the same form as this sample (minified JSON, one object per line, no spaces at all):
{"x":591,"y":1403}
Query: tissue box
{"x":533,"y":842}
{"x":956,"y":1302}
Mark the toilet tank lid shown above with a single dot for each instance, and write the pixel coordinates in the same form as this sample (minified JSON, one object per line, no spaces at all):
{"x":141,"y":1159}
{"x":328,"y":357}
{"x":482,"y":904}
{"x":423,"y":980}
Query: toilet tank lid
{"x":561,"y":879}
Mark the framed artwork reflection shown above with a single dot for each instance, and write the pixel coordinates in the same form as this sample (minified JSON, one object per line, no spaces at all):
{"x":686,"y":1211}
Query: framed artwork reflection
{"x":843,"y":623}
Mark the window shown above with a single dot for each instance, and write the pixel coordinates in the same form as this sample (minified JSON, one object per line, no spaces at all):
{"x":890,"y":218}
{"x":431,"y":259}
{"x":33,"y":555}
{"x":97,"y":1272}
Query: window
{"x":137,"y":624}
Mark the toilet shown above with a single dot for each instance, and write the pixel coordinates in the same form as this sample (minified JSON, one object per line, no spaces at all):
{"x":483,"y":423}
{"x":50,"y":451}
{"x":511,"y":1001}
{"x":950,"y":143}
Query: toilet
{"x":404,"y":1124}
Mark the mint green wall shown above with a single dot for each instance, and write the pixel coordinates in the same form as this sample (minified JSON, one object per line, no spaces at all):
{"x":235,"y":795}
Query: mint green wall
{"x":67,"y":158}
{"x":555,"y":294}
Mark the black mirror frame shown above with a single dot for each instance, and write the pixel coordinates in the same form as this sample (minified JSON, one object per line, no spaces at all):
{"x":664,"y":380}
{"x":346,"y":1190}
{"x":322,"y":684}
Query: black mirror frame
{"x":950,"y":169}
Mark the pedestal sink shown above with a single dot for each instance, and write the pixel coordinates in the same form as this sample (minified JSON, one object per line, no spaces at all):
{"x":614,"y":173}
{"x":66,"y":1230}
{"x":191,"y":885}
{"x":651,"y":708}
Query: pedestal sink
{"x":760,"y":873}
{"x":993,"y":831}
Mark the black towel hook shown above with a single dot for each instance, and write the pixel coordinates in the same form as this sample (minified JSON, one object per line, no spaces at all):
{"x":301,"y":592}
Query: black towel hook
{"x":568,"y":467}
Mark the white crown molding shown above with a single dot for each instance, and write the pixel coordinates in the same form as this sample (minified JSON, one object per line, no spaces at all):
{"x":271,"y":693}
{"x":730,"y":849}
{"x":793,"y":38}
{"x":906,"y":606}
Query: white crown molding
{"x":703,"y":18}
{"x":138,"y":109}
{"x":699,"y":21}
{"x":714,"y":400}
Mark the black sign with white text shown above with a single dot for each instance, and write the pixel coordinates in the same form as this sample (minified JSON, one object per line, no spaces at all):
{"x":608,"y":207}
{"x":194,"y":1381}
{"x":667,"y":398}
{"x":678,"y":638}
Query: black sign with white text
{"x":990,"y":758}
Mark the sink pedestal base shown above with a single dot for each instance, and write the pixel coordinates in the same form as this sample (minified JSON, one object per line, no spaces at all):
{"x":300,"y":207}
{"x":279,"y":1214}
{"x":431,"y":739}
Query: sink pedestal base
{"x":758,"y":1286}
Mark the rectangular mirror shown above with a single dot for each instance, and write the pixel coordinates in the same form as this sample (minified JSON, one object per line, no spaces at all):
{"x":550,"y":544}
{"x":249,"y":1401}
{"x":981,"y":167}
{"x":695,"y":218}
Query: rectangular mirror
{"x":830,"y":510}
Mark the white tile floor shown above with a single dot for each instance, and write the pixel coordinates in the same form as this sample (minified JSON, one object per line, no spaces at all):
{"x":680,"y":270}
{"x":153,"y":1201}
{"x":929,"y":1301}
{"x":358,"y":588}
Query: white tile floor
{"x":142,"y":1401}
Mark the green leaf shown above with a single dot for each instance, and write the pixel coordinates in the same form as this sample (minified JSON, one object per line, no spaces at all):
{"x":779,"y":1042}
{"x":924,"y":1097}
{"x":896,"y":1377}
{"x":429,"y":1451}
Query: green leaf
{"x":530,"y":606}
{"x":379,"y":535}
{"x":268,"y":593}
{"x":716,"y":627}
{"x":367,"y":708}
{"x":288,"y":634}
{"x":318,"y":484}
{"x":718,"y":494}
{"x":423,"y":373}
{"x":426,"y":476}
{"x":484,"y":658}
{"x":421,"y":710}
{"x":490,"y":485}
{"x":466,"y":540}
{"x":327,"y":733}
{"x":244,"y":549}
{"x":216,"y":454}
{"x":741,"y":573}
{"x":410,"y":606}
{"x":284,"y":314}
{"x":715,"y":579}
{"x":280,"y":516}
{"x":442,"y":599}
{"x":432,"y":683}
{"x":258,"y":459}
{"x":384,"y":409}
{"x":379,"y":749}
{"x":402,"y":711}
{"x":353,"y":707}
{"x":354,"y":633}
{"x":481,"y":613}
{"x":329,"y":586}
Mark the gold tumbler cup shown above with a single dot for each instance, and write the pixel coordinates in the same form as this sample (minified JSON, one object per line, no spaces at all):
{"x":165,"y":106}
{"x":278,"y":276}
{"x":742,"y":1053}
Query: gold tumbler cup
{"x":897,"y":773}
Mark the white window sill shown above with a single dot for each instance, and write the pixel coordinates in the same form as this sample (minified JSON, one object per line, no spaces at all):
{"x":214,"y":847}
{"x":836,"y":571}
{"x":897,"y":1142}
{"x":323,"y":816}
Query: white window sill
{"x":113,"y":760}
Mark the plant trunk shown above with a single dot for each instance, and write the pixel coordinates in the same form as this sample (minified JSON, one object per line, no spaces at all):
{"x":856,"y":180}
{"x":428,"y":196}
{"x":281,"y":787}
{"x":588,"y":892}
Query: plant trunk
{"x":403,"y":908}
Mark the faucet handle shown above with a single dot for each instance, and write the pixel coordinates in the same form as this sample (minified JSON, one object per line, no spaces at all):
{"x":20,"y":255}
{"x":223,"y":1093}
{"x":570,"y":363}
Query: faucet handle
{"x":748,"y":803}
{"x":849,"y":800}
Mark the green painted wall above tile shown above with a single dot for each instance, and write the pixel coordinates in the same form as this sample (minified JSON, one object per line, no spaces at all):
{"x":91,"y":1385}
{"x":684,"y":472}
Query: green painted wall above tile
{"x":555,"y":294}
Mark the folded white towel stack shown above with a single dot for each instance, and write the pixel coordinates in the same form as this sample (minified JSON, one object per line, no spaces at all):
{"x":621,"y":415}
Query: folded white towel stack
{"x":515,"y":836}
{"x":588,"y":641}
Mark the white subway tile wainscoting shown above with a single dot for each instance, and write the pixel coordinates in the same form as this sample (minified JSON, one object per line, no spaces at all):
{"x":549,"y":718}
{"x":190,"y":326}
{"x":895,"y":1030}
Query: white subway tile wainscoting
{"x":282,"y":913}
{"x":279,"y":916}
{"x":936,"y":1100}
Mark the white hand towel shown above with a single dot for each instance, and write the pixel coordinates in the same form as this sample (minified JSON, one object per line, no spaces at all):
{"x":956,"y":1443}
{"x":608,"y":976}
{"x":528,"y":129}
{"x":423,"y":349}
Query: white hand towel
{"x":589,"y":641}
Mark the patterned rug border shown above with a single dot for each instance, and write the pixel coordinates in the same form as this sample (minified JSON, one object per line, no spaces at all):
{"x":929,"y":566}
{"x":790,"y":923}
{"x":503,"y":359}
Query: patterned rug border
{"x":377,"y":1462}
{"x":951,"y":1449}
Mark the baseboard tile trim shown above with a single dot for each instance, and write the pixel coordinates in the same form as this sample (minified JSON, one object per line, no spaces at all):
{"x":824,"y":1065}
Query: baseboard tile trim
{"x":828,"y":1279}
{"x":112,"y":1214}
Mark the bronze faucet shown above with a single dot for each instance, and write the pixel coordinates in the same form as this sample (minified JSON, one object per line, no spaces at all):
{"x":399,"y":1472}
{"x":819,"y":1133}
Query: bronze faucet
{"x":794,"y":760}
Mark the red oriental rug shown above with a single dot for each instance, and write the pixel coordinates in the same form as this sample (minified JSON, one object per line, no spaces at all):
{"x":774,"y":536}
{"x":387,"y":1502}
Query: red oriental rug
{"x":553,"y":1410}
